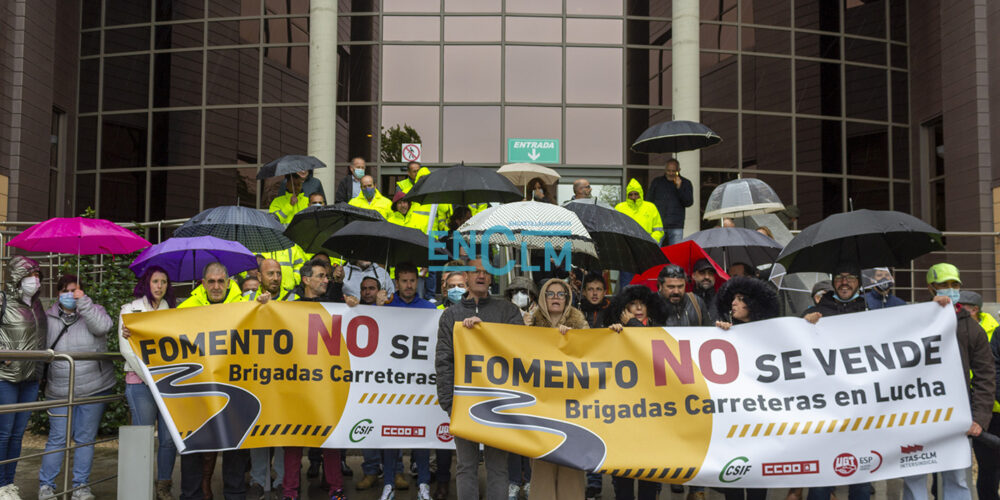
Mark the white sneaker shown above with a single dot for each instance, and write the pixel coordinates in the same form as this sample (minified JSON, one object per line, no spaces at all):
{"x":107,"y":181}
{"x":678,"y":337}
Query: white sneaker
{"x":10,"y":492}
{"x":83,"y":494}
{"x":424,"y":491}
{"x":512,"y":490}
{"x":527,"y":490}
{"x":388,"y":493}
{"x":45,"y":492}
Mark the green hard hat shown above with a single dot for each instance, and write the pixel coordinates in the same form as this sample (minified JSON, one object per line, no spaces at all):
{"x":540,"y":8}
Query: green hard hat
{"x":939,"y":273}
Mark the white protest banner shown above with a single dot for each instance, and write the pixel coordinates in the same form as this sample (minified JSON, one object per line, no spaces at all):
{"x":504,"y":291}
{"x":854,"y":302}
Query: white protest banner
{"x":858,"y":397}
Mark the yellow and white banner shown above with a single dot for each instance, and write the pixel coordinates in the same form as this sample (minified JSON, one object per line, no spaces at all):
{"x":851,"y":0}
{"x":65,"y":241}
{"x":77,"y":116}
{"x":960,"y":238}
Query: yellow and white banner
{"x":855,"y":398}
{"x":309,"y":374}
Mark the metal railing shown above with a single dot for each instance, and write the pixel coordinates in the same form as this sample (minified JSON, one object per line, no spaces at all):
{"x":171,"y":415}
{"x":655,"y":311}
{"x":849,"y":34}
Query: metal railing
{"x":69,"y":403}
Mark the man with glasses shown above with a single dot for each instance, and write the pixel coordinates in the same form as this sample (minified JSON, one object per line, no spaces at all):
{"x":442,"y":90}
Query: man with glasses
{"x":846,"y":298}
{"x":978,"y":360}
{"x":672,"y":194}
{"x":581,"y":191}
{"x":475,"y":308}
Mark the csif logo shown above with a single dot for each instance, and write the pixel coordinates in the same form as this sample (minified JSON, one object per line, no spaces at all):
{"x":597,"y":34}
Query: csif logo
{"x":361,"y":430}
{"x":735,"y":470}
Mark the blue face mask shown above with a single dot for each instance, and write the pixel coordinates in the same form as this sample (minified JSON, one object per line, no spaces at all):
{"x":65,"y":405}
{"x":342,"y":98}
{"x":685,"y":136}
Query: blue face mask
{"x":359,"y":172}
{"x":951,"y":293}
{"x":369,"y":192}
{"x":455,"y":294}
{"x":67,"y":300}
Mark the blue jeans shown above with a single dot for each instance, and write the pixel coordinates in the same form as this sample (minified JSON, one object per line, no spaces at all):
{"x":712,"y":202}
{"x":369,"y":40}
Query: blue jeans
{"x":421,"y":457}
{"x":953,"y":486}
{"x":373,"y":459}
{"x":672,"y":235}
{"x":144,"y":412}
{"x":86,"y":420}
{"x":12,"y":425}
{"x":861,"y":491}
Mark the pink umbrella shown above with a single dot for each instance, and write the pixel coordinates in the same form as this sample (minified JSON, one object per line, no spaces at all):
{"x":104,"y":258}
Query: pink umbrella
{"x":80,"y":236}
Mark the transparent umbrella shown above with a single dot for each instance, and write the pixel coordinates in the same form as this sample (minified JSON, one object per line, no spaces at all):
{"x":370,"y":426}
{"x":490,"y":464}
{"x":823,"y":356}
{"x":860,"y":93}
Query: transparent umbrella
{"x":740,"y":198}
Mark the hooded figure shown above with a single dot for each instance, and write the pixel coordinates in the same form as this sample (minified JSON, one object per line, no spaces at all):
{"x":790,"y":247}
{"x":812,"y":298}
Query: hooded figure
{"x":760,"y":299}
{"x":654,"y":306}
{"x":23,"y":324}
{"x":643,"y":212}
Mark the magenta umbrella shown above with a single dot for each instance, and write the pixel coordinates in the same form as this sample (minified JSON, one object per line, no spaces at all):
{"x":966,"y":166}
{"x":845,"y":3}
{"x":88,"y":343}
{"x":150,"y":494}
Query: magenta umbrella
{"x":80,"y":236}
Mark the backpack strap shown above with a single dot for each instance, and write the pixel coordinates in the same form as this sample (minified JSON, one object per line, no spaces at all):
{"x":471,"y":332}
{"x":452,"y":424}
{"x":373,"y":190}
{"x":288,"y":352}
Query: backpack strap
{"x":697,"y":307}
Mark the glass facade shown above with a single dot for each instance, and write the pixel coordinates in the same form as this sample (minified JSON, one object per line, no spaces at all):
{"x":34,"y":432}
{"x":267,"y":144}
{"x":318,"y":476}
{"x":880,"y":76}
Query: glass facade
{"x":180,"y":100}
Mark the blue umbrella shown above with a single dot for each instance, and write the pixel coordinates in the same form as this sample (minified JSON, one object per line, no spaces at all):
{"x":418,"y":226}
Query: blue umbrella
{"x":185,"y":258}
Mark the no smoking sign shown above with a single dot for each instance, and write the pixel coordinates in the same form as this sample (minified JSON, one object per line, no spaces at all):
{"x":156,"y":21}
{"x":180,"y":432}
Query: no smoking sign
{"x":411,"y":152}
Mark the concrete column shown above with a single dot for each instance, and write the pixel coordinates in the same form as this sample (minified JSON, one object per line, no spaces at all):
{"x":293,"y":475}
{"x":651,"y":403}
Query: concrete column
{"x":323,"y":90}
{"x":687,"y":95}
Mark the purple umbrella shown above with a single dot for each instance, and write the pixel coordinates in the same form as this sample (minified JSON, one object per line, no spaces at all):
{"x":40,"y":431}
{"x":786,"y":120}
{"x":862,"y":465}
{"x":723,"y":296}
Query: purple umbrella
{"x":184,"y":258}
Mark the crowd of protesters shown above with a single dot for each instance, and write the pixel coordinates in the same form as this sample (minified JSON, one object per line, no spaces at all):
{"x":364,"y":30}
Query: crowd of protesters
{"x":579,"y":299}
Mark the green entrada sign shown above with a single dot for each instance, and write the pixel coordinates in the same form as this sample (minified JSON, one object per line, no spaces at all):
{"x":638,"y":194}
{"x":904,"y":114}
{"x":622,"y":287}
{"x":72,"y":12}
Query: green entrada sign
{"x":533,"y":150}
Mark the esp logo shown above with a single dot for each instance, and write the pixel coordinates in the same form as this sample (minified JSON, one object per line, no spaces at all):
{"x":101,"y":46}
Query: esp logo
{"x":735,"y":470}
{"x":845,"y":464}
{"x":361,"y":430}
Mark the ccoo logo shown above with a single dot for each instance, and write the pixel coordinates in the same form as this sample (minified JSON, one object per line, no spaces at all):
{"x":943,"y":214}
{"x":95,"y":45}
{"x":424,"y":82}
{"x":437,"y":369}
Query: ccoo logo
{"x":361,"y":430}
{"x":735,"y":470}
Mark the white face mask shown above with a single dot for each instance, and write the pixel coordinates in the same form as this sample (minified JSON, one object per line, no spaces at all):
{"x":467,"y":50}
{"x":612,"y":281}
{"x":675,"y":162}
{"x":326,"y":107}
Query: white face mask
{"x":30,"y":285}
{"x":520,"y":299}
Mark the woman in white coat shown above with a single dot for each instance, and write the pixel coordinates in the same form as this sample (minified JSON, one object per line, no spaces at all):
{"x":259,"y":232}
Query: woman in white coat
{"x":153,"y":293}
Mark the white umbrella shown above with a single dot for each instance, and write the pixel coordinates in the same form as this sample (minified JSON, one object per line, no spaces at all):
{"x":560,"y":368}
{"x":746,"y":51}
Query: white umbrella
{"x":740,"y":198}
{"x":521,"y":174}
{"x":532,"y":223}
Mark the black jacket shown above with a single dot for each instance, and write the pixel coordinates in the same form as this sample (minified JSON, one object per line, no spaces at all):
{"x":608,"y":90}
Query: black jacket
{"x":344,"y":189}
{"x":488,"y":309}
{"x":671,"y":200}
{"x":687,"y":312}
{"x":829,"y":306}
{"x":594,"y":312}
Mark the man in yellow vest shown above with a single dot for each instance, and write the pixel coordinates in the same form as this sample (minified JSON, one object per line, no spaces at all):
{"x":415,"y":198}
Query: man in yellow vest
{"x":370,"y":198}
{"x":412,"y":169}
{"x":403,"y":214}
{"x":643,"y":212}
{"x":290,"y":259}
{"x":973,"y":302}
{"x":989,"y":461}
{"x":291,"y":202}
{"x":216,"y":288}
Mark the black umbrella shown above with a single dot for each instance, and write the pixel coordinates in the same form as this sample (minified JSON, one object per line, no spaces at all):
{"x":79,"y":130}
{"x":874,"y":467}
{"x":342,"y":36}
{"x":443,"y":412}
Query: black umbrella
{"x":674,"y":137}
{"x":461,"y":185}
{"x":727,"y":245}
{"x":289,"y":164}
{"x":258,"y":231}
{"x":622,"y":244}
{"x":312,"y":226}
{"x":382,"y":242}
{"x":860,"y":239}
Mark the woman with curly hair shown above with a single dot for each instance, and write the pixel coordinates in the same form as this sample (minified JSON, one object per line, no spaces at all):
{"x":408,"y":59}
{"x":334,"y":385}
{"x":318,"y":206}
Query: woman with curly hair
{"x":742,"y":299}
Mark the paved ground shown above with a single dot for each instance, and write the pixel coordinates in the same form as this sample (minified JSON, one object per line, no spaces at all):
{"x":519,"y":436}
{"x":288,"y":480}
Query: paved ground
{"x":106,"y":463}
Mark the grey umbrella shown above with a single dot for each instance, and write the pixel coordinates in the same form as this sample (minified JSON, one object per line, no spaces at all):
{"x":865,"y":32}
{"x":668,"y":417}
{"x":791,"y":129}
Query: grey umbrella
{"x":740,"y":198}
{"x":289,"y":164}
{"x":728,"y":245}
{"x":258,"y":231}
{"x":674,"y":137}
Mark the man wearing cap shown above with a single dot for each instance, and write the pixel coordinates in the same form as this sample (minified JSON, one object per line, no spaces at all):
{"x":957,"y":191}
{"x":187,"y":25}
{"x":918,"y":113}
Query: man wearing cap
{"x":820,"y":289}
{"x":944,"y":282}
{"x":973,"y":302}
{"x":703,"y":285}
{"x":880,"y":296}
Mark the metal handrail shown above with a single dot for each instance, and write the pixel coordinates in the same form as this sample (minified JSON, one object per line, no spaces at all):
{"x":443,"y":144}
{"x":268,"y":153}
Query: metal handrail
{"x":49,"y":355}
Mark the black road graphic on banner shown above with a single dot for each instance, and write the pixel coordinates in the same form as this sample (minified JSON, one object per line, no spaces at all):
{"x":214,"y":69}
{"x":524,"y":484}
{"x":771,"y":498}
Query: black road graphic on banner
{"x":580,"y":449}
{"x":226,"y":429}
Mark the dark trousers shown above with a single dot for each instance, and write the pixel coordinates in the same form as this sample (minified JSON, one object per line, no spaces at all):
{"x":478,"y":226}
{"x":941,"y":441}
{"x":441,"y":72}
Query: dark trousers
{"x":443,"y":474}
{"x":989,"y":463}
{"x":744,"y":493}
{"x":234,"y":468}
{"x":625,"y":486}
